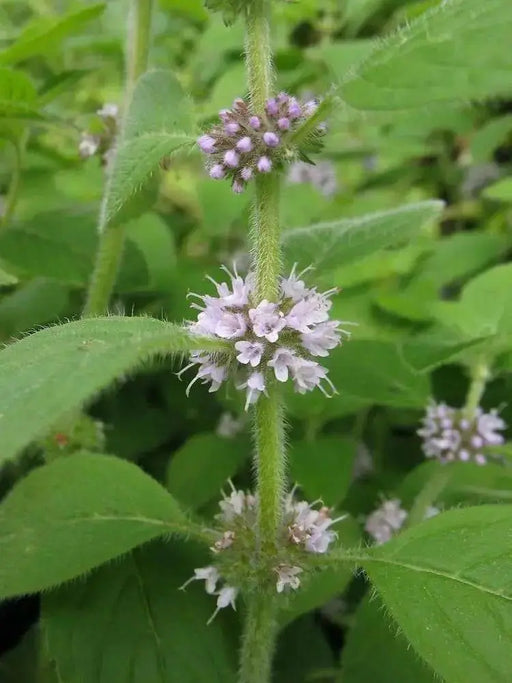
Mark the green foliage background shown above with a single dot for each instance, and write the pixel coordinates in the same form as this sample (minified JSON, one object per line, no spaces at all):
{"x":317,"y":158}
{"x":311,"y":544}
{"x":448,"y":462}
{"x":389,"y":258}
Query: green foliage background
{"x":418,"y":236}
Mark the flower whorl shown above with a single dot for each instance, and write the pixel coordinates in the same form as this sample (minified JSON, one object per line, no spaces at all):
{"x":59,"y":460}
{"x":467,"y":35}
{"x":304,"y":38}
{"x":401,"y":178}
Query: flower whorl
{"x":282,"y":337}
{"x":247,"y":143}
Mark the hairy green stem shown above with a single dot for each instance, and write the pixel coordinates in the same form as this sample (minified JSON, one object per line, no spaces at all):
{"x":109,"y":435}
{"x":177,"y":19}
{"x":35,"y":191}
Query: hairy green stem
{"x":480,"y":375}
{"x":259,"y":639}
{"x":112,"y":237}
{"x":260,"y":627}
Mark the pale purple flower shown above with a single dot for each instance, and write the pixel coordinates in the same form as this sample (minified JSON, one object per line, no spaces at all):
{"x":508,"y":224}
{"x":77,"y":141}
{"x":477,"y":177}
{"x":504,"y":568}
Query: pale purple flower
{"x":225,"y":541}
{"x":255,"y":122}
{"x":287,"y":576}
{"x":284,"y":123}
{"x":310,"y":311}
{"x":271,"y":139}
{"x":217,"y":172}
{"x":450,"y":434}
{"x":310,"y":108}
{"x":209,"y":575}
{"x":264,"y":165}
{"x":249,"y":352}
{"x":244,"y":144}
{"x":385,"y":521}
{"x":231,"y":158}
{"x":267,"y":320}
{"x":272,"y":107}
{"x":232,"y":128}
{"x":88,"y":146}
{"x":255,"y":386}
{"x":108,"y":111}
{"x":207,"y":144}
{"x":237,"y":187}
{"x":246,"y":173}
{"x":309,"y":527}
{"x":308,"y":374}
{"x":292,"y":287}
{"x":322,"y":338}
{"x":294,"y":108}
{"x":282,"y":361}
{"x":231,"y":326}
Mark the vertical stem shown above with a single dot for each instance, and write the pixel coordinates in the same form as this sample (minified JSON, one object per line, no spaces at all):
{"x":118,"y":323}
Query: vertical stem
{"x":258,"y":640}
{"x":479,"y":377}
{"x":270,"y":464}
{"x":112,"y":237}
{"x":429,"y":494}
{"x":260,"y":627}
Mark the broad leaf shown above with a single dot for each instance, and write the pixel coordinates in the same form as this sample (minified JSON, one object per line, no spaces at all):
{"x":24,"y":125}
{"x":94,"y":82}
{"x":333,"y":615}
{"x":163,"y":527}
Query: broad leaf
{"x":45,"y":34}
{"x":323,"y":467}
{"x":375,"y":650}
{"x":200,"y":468}
{"x":50,"y":373}
{"x":452,"y":52}
{"x":382,"y":376}
{"x":156,"y":124}
{"x":328,"y":245}
{"x":17,"y":95}
{"x":129,"y":621}
{"x":447,"y":583}
{"x":501,"y":191}
{"x":65,"y":518}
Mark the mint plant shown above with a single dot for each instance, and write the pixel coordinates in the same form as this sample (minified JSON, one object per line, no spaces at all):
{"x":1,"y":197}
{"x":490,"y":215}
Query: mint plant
{"x":326,"y":421}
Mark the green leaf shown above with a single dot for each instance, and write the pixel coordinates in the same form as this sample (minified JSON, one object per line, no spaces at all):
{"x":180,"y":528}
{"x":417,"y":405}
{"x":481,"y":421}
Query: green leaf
{"x":328,"y":245}
{"x":489,"y":137}
{"x":130,"y":622}
{"x":65,"y":518}
{"x":302,"y":651}
{"x":446,"y":581}
{"x":375,"y":650}
{"x":200,"y":468}
{"x":453,"y":52}
{"x":323,"y":467}
{"x":17,"y":95}
{"x":52,"y":372}
{"x":38,"y":302}
{"x":62,"y":245}
{"x":46,"y":33}
{"x":485,"y":307}
{"x":382,"y":376}
{"x":156,"y":124}
{"x":501,"y":191}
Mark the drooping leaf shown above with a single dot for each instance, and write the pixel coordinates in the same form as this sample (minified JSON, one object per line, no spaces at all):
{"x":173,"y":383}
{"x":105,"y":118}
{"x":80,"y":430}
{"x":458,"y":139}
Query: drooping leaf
{"x":17,"y":95}
{"x":52,"y":372}
{"x":157,"y":123}
{"x":375,"y":650}
{"x":200,"y":468}
{"x":446,"y":581}
{"x":323,"y":467}
{"x":328,"y":245}
{"x":129,"y":621}
{"x":65,"y":518}
{"x":46,"y":33}
{"x":452,"y":52}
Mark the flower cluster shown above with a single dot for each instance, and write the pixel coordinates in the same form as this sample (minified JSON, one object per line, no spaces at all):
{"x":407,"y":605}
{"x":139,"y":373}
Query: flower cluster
{"x":246,"y":143}
{"x":304,"y":529}
{"x":321,"y":175}
{"x":102,"y":141}
{"x":282,"y":337}
{"x":384,"y":522}
{"x":449,"y":434}
{"x":308,"y":527}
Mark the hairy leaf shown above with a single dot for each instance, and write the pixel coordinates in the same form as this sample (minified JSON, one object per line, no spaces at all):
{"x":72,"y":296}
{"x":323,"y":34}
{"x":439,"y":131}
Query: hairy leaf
{"x":328,"y":245}
{"x":447,"y":583}
{"x":54,"y":371}
{"x":45,"y":33}
{"x":65,"y":518}
{"x":452,"y":52}
{"x":157,"y":124}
